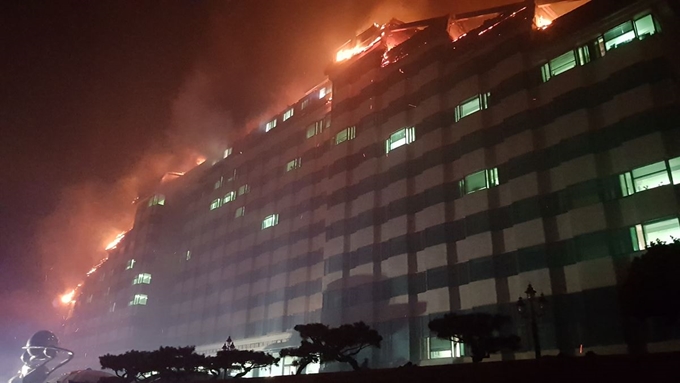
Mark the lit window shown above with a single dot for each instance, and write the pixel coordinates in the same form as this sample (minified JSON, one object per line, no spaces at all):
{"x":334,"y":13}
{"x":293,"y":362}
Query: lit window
{"x":158,"y":199}
{"x":304,"y":104}
{"x":619,"y":35}
{"x":345,"y":135}
{"x":400,"y":138}
{"x":472,"y":105}
{"x":139,"y":300}
{"x":444,"y":348}
{"x":294,"y":164}
{"x":229,"y":197}
{"x":143,"y":278}
{"x":215,"y":204}
{"x":219,"y":183}
{"x":480,"y":180}
{"x":675,"y":170}
{"x":227,"y":152}
{"x":270,"y":125}
{"x":288,"y":114}
{"x":645,"y":26}
{"x":130,"y":264}
{"x":315,"y":128}
{"x":188,"y":255}
{"x":269,"y":221}
{"x":645,"y":178}
{"x":243,"y":189}
{"x":646,"y":233}
{"x":324,"y":91}
{"x":240,"y":212}
{"x":232,"y":176}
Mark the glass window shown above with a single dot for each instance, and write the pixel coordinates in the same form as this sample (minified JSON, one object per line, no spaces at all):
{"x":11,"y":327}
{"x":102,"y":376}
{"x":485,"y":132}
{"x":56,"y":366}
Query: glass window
{"x":583,"y":55}
{"x":444,"y":348}
{"x":143,"y":278}
{"x":345,"y":135}
{"x":229,"y":197}
{"x":315,"y":128}
{"x":646,"y":233}
{"x":304,"y":104}
{"x":675,"y":170}
{"x":158,"y":199}
{"x":240,"y":212}
{"x":472,"y":105}
{"x":188,"y":255}
{"x":324,"y":91}
{"x":227,"y":152}
{"x":645,"y":26}
{"x":288,"y":114}
{"x":293,"y":164}
{"x":270,"y":125}
{"x":243,"y":189}
{"x":626,"y":181}
{"x":215,"y":203}
{"x":400,"y":138}
{"x":269,"y":221}
{"x":475,"y":181}
{"x":619,"y":35}
{"x":650,"y":176}
{"x":480,"y":180}
{"x":562,"y":63}
{"x":139,"y":299}
{"x":130,"y":264}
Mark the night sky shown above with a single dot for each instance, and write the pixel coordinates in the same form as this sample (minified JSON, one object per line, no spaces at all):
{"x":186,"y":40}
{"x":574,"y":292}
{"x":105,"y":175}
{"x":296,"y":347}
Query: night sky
{"x":99,"y":98}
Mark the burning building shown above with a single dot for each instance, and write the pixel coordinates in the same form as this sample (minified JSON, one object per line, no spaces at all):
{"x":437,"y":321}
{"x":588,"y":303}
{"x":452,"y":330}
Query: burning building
{"x":443,"y":166}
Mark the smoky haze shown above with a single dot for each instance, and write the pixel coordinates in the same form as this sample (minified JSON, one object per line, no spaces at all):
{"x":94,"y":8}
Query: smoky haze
{"x":100,"y":99}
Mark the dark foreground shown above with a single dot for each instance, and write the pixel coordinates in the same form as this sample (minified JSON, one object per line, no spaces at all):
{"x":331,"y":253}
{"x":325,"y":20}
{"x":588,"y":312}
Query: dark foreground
{"x":608,"y":369}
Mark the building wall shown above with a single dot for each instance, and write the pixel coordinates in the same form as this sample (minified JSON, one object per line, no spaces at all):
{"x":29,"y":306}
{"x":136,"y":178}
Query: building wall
{"x":391,"y":238}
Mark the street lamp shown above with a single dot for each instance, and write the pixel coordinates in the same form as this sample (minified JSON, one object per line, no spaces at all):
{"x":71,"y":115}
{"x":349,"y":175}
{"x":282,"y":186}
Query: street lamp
{"x":532,"y":309}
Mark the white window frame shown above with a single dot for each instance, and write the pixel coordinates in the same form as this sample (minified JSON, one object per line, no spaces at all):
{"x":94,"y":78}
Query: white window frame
{"x":142,"y":278}
{"x":139,"y":300}
{"x":244,"y":189}
{"x":288,"y":114}
{"x":629,"y":184}
{"x":472,"y":105}
{"x":216,"y":203}
{"x":490,"y":179}
{"x":231,"y":196}
{"x":240,"y":212}
{"x":400,"y":138}
{"x":293,"y":164}
{"x":228,"y":152}
{"x":270,"y":125}
{"x":641,"y":234}
{"x":270,"y":221}
{"x":130,"y":264}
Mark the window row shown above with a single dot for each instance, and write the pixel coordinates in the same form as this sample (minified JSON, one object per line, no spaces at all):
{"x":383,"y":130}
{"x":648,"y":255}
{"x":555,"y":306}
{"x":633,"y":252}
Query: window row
{"x":624,"y":33}
{"x":650,"y":176}
{"x":230,"y":196}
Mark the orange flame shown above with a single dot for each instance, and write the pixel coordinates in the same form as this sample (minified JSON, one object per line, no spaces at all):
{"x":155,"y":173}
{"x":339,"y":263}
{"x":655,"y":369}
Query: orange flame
{"x":68,"y":297}
{"x":542,"y":22}
{"x":200,"y":160}
{"x":112,"y":245}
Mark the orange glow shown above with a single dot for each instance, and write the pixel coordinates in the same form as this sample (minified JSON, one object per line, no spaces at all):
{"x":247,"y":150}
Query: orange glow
{"x":68,"y":297}
{"x":112,"y":245}
{"x":542,"y":22}
{"x":200,"y":160}
{"x":348,"y":53}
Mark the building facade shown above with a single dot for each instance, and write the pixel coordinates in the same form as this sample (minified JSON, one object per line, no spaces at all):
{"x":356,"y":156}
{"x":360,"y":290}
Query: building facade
{"x":452,"y":162}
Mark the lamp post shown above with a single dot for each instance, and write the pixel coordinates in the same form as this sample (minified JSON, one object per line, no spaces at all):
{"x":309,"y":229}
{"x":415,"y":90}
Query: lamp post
{"x":532,"y":309}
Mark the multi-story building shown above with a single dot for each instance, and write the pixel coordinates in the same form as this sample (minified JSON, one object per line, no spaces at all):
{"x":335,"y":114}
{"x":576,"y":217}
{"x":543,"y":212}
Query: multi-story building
{"x":453,"y":161}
